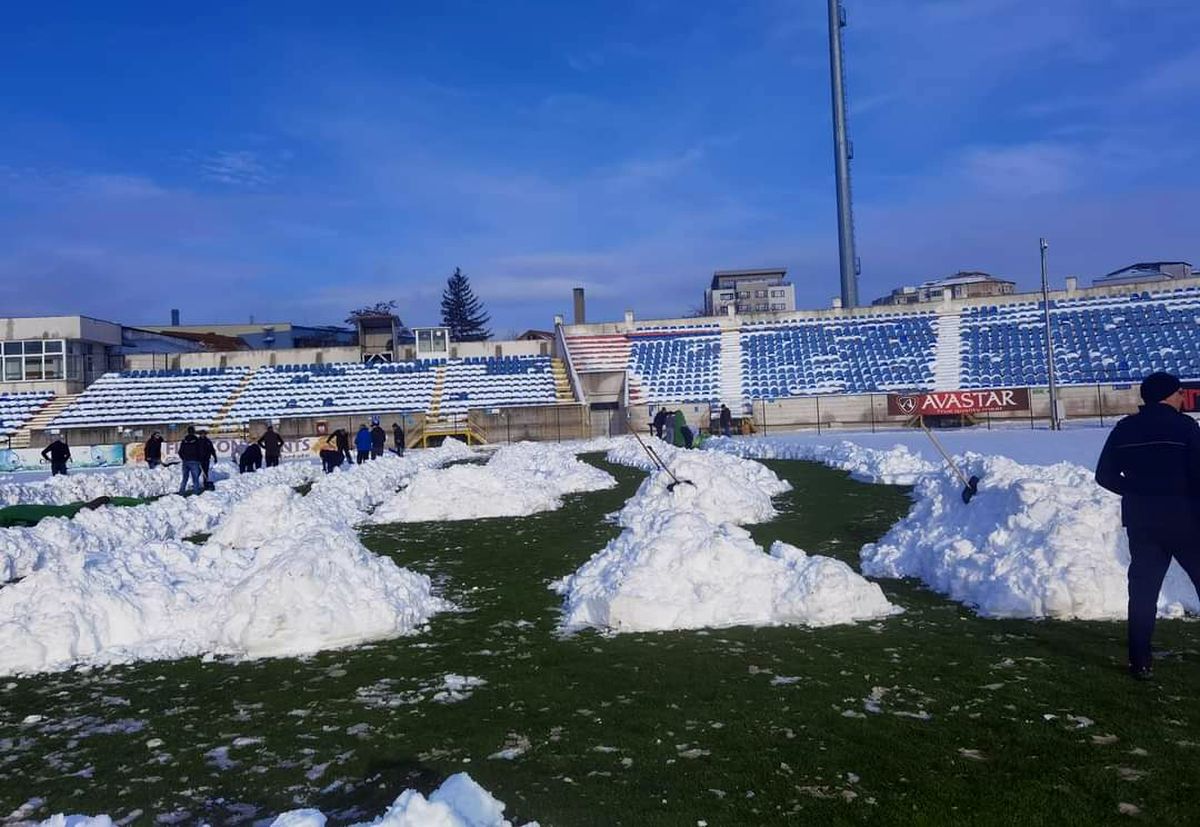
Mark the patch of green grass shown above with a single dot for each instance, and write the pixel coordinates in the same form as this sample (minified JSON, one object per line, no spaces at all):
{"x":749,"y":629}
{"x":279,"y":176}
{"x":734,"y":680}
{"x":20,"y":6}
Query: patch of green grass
{"x":935,"y":716}
{"x":30,"y":515}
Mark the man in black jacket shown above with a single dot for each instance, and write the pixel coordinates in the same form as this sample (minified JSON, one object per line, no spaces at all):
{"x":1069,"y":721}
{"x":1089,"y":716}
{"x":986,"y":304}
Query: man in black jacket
{"x":272,"y":445}
{"x":208,"y":453}
{"x":1152,"y":459}
{"x":378,"y":440}
{"x":660,"y":420}
{"x":189,"y":455}
{"x":251,"y":459}
{"x":153,"y":450}
{"x":343,"y":444}
{"x":398,"y":438}
{"x":59,"y":454}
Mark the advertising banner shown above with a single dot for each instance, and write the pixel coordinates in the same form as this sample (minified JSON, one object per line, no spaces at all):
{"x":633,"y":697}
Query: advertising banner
{"x":958,"y":402}
{"x":82,"y":456}
{"x":1191,"y":397}
{"x":228,"y":449}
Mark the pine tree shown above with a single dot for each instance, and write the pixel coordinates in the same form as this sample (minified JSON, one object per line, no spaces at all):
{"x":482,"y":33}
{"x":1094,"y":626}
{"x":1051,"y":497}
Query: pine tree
{"x":462,"y":312}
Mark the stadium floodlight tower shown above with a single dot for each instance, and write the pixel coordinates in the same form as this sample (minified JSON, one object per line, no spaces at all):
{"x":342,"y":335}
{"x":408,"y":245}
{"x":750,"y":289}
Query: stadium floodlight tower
{"x":842,"y":153}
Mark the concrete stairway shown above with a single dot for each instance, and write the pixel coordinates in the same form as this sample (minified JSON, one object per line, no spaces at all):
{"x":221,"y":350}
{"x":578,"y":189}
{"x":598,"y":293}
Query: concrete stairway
{"x":562,"y":385}
{"x":218,"y":423}
{"x":41,"y":420}
{"x":731,"y":372}
{"x":947,"y":364}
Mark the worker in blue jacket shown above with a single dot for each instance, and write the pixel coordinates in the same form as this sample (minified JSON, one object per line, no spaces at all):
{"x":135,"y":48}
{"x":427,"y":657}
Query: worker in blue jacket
{"x":1152,"y":459}
{"x":362,"y":442}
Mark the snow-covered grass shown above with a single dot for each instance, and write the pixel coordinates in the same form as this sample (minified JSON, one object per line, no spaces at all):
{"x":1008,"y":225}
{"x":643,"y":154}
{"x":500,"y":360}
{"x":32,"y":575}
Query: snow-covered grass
{"x":924,"y":716}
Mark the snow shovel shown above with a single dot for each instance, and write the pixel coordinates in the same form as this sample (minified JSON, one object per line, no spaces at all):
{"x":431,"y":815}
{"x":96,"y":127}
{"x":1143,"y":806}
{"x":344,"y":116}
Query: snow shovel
{"x":658,"y":461}
{"x":970,"y":486}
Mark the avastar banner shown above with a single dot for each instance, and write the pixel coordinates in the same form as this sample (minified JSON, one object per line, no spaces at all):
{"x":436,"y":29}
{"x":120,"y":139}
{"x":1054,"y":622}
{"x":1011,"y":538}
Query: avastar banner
{"x":958,"y":402}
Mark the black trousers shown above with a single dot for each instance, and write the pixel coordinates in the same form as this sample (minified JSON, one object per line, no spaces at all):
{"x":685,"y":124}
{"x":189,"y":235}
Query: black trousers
{"x":57,"y":468}
{"x":1150,"y":553}
{"x":363,"y":456}
{"x":272,"y":460}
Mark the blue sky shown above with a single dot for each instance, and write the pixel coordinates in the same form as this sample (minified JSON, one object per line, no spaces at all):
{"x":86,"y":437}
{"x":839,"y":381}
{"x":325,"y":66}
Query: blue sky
{"x":294,"y":160}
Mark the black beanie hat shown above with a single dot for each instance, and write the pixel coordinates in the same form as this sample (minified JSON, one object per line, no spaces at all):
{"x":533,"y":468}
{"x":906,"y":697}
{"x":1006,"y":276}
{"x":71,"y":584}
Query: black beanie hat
{"x":1158,"y":386}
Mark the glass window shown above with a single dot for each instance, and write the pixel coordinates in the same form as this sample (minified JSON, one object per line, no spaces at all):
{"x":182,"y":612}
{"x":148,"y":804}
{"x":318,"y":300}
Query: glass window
{"x":54,"y":346}
{"x":12,"y":370}
{"x":52,"y":367}
{"x":33,"y":347}
{"x":74,"y":367}
{"x":12,"y":347}
{"x":33,"y":367}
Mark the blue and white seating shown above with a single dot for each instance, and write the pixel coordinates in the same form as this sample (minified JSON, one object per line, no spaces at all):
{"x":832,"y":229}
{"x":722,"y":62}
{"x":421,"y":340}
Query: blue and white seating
{"x":881,"y":352}
{"x":499,"y":382}
{"x":1097,"y":340}
{"x":675,"y":365}
{"x":341,"y":388}
{"x":18,"y":408}
{"x":137,"y":397}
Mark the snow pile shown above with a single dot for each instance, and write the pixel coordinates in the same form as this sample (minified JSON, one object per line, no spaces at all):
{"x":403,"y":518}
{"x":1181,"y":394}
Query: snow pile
{"x":521,"y":479}
{"x":25,"y":549}
{"x":895,"y":465}
{"x":683,"y":563}
{"x":1037,"y":541}
{"x":281,"y":574}
{"x":84,"y":487}
{"x":458,"y":802}
{"x":289,"y":584}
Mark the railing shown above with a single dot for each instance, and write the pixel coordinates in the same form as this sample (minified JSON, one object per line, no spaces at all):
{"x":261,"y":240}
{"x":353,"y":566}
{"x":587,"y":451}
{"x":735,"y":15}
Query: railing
{"x":572,"y":376}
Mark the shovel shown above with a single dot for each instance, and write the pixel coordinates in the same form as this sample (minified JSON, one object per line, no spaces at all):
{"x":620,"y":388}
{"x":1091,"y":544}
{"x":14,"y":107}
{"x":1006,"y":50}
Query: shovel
{"x":658,"y":461}
{"x":970,"y":486}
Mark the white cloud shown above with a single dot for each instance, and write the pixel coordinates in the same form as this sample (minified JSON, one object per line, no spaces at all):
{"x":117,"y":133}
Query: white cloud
{"x":241,"y":168}
{"x":1027,"y":169}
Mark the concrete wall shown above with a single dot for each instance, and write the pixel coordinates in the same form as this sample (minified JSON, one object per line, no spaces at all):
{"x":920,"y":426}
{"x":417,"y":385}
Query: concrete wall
{"x":60,"y":327}
{"x":869,"y":411}
{"x":59,"y":387}
{"x":240,"y":358}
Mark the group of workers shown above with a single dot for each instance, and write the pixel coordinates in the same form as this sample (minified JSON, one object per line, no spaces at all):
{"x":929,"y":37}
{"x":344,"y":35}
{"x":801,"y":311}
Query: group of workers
{"x":672,"y":426}
{"x":370,"y":443}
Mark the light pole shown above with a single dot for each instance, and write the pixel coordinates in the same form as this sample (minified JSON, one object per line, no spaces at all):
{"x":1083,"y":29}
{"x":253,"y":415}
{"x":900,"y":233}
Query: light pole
{"x":842,"y":152}
{"x":1055,"y":424}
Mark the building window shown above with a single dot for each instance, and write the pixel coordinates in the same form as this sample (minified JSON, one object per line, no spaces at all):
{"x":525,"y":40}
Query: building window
{"x":727,"y":297}
{"x":777,"y":294}
{"x":760,"y":294}
{"x":33,"y":360}
{"x":743,"y":294}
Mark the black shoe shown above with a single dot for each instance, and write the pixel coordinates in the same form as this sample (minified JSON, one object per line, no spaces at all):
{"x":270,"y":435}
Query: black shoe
{"x":1141,"y":673}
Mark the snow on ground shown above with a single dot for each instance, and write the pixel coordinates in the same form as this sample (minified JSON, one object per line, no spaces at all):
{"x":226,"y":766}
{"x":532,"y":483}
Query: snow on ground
{"x":894,"y":465}
{"x":909,"y":453}
{"x":682,"y":561}
{"x":459,"y":802}
{"x":281,"y":574}
{"x":82,"y":487}
{"x":1037,"y":541}
{"x":520,"y":479}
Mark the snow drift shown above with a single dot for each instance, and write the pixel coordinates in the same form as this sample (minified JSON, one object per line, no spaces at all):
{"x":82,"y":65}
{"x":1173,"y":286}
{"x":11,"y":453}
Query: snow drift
{"x":281,"y":574}
{"x":1037,"y":541}
{"x":895,"y":465}
{"x":521,"y":479}
{"x":458,"y":802}
{"x":682,"y":562}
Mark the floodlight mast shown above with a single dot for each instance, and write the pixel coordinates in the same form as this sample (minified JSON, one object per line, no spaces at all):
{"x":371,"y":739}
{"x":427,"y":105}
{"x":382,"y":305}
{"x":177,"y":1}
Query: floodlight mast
{"x":842,"y":152}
